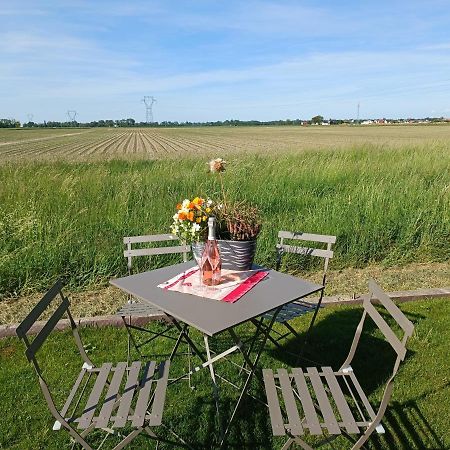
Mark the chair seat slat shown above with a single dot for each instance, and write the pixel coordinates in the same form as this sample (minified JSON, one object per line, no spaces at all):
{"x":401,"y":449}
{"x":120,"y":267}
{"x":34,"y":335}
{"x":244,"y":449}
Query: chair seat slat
{"x":324,"y":403}
{"x":133,"y":309}
{"x":294,"y":424}
{"x":276,"y":418}
{"x":341,"y":402}
{"x":312,"y":421}
{"x":127,"y":397}
{"x":72,"y":393}
{"x":91,"y":405}
{"x":111,"y":396}
{"x":290,"y":311}
{"x":155,"y":418}
{"x":144,"y":394}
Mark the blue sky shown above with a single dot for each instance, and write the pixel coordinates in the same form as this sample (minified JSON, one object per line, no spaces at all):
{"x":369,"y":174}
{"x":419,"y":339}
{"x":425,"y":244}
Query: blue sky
{"x":215,"y":60}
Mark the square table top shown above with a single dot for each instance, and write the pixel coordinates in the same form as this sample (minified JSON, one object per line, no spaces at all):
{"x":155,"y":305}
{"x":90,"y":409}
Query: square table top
{"x":212,"y":316}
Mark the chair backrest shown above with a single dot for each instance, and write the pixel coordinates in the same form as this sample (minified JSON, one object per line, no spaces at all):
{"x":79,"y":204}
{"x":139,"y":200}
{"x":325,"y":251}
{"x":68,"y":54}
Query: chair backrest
{"x":326,"y":254}
{"x":130,"y":252}
{"x":375,"y":292}
{"x":32,"y":346}
{"x":399,"y":345}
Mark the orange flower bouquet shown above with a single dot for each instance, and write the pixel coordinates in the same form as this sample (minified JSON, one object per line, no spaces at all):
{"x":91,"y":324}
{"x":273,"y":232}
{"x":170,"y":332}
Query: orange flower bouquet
{"x":191,"y":219}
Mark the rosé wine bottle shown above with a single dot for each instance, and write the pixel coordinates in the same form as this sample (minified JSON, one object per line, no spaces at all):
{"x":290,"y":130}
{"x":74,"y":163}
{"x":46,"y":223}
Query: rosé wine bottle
{"x":211,"y":263}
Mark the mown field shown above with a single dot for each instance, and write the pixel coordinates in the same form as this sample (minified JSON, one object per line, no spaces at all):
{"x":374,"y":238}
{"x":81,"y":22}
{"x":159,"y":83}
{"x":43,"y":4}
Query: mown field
{"x":159,"y":143}
{"x":386,"y":200}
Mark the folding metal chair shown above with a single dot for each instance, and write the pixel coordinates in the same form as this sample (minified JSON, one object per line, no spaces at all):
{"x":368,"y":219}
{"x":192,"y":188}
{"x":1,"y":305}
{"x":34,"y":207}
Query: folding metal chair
{"x":349,"y":411}
{"x":122,"y":396}
{"x":135,"y":308}
{"x":300,"y":308}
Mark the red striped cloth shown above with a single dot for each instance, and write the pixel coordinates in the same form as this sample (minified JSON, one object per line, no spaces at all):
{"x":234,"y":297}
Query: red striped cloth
{"x":233,"y":286}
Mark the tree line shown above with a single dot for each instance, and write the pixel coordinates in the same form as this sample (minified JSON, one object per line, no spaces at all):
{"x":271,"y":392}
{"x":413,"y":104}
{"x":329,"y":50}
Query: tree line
{"x":11,"y":123}
{"x":316,"y":120}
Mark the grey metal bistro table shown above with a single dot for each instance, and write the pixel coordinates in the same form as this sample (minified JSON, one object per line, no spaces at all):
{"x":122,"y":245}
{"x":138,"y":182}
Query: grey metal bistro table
{"x":212,"y":317}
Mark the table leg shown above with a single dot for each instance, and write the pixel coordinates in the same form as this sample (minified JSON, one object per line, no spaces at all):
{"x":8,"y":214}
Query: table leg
{"x":259,"y":325}
{"x":253,"y":340}
{"x":215,"y":387}
{"x":252,"y":367}
{"x":184,"y":334}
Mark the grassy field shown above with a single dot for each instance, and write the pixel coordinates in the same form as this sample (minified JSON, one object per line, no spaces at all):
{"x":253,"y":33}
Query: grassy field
{"x":159,"y":143}
{"x":385,"y":205}
{"x":417,"y":417}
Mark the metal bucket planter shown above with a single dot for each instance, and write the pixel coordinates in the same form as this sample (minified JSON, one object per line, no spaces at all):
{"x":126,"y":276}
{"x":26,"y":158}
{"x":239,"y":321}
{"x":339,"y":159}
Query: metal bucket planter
{"x":235,"y":255}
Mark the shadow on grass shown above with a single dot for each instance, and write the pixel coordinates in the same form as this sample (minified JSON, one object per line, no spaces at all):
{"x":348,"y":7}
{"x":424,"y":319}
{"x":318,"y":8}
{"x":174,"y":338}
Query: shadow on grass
{"x":406,"y":426}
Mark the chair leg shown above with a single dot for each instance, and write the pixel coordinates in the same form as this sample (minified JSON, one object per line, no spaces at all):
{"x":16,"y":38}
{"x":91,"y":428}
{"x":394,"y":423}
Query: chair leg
{"x":128,"y":438}
{"x":360,"y":442}
{"x":76,"y":436}
{"x":288,"y":444}
{"x":189,"y":355}
{"x":130,"y":339}
{"x":214,"y":382}
{"x":296,"y":440}
{"x":128,"y":343}
{"x":311,"y":324}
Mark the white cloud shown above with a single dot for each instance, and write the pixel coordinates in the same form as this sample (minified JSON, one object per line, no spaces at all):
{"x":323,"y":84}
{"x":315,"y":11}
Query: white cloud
{"x":18,"y":42}
{"x":331,"y":74}
{"x":439,"y":46}
{"x":24,"y":11}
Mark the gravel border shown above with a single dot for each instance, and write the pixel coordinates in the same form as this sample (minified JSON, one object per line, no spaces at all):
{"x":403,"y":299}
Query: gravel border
{"x":116,"y":321}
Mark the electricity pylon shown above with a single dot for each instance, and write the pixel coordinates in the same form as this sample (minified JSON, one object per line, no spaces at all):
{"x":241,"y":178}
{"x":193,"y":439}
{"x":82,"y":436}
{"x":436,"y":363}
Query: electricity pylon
{"x":148,"y":102}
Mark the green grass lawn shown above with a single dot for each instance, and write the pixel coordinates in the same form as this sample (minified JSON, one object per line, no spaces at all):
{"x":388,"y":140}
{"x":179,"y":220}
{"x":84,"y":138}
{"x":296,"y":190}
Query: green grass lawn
{"x":417,"y":416}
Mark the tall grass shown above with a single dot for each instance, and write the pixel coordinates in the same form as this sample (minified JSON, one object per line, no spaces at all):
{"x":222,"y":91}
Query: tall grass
{"x":68,"y":219}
